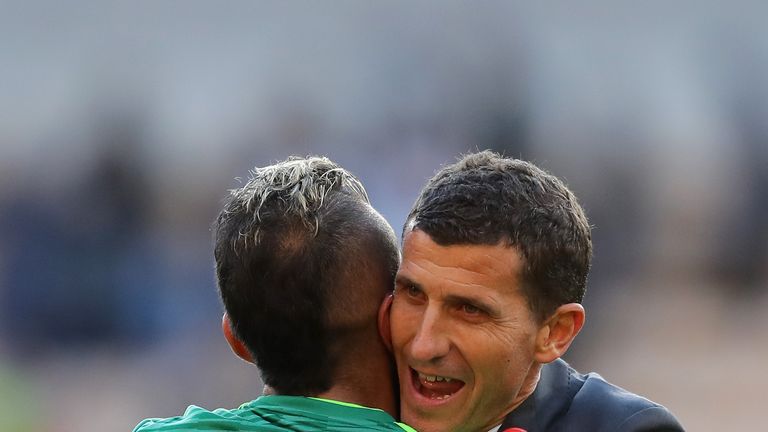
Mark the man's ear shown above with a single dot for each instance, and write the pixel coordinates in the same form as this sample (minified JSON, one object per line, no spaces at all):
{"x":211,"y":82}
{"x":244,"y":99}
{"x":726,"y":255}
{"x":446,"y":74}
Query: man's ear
{"x":238,"y":347}
{"x":384,"y":329}
{"x":558,"y":331}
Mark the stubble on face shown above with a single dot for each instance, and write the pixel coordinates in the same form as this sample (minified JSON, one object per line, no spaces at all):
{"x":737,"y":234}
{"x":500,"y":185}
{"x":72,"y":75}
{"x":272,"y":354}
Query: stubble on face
{"x":459,"y":314}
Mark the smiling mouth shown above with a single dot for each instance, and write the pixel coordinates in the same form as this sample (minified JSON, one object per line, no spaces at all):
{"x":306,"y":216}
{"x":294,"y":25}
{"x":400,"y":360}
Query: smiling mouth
{"x":435,"y":387}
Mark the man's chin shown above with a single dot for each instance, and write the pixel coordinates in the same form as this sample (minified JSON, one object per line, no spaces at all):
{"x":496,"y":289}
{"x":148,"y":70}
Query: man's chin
{"x":423,"y":424}
{"x":440,"y":417}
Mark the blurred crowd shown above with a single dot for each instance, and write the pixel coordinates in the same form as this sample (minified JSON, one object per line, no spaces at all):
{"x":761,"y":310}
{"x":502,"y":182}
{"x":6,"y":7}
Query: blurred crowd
{"x":123,"y":125}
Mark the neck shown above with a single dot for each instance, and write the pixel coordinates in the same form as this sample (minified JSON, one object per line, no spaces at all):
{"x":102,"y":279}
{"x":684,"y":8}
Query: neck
{"x":370,"y":399}
{"x":526,"y":390}
{"x":528,"y":386}
{"x":368,"y":382}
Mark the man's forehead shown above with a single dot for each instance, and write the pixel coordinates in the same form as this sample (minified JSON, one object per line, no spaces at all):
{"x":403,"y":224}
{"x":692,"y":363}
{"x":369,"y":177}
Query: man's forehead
{"x":485,"y":265}
{"x":418,"y":242}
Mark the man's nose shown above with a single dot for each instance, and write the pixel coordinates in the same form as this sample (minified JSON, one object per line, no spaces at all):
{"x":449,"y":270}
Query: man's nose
{"x":430,"y":343}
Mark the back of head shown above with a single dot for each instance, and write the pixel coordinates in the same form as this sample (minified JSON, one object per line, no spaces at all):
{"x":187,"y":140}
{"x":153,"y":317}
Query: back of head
{"x":302,"y":262}
{"x":487,"y":199}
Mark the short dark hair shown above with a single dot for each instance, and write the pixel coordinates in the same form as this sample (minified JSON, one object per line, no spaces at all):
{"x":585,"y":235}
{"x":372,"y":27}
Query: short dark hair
{"x":486,"y":199}
{"x":302,"y":262}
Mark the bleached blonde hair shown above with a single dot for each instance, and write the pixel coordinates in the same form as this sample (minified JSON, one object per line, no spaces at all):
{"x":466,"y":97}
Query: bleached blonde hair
{"x":300,"y":184}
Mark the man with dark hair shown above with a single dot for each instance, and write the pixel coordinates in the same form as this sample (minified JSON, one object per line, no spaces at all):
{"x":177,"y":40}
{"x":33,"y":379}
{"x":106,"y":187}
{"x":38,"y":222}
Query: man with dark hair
{"x":303,"y":263}
{"x":488,"y":298}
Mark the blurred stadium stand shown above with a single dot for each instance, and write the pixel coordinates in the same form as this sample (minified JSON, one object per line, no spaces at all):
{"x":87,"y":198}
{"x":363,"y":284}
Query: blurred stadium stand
{"x":122,"y":125}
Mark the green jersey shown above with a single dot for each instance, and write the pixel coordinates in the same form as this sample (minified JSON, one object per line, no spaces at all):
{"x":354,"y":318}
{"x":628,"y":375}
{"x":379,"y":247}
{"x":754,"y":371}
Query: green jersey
{"x":279,"y":413}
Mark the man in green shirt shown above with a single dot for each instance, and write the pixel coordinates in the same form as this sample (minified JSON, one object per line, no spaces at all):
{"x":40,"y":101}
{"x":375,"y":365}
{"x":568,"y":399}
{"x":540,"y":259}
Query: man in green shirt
{"x":303,"y":263}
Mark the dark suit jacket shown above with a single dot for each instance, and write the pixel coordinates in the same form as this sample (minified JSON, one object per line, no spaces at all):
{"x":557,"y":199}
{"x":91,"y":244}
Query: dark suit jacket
{"x":565,"y":400}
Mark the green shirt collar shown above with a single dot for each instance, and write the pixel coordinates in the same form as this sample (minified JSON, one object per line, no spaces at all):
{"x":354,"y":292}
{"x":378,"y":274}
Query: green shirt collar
{"x":325,"y":406}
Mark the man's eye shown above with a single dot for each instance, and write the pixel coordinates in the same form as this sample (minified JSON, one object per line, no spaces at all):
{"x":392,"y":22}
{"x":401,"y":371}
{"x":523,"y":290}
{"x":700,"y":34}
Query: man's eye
{"x":413,"y":291}
{"x":471,"y":309}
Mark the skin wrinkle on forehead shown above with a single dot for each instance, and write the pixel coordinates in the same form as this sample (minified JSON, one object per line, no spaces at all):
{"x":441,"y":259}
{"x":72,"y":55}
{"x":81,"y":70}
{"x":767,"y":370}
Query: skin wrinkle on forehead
{"x":520,"y":259}
{"x":463,"y":270}
{"x":444,"y":270}
{"x":495,"y":257}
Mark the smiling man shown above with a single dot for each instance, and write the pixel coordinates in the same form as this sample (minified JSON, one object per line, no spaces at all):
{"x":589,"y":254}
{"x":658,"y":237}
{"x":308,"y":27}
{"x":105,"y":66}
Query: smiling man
{"x":488,"y":298}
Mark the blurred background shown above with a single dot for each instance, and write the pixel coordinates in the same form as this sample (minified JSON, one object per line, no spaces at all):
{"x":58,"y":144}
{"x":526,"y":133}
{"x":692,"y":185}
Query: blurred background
{"x":122,"y":125}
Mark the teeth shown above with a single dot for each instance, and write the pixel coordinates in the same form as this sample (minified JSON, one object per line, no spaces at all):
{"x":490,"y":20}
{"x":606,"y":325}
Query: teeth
{"x":433,"y":378}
